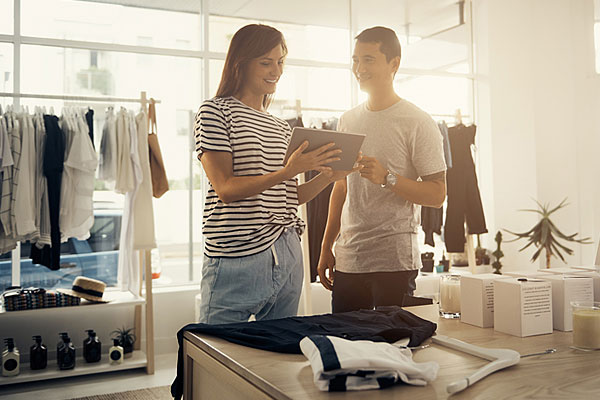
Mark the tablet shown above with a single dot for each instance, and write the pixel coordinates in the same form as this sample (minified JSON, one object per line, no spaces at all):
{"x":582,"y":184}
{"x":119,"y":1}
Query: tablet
{"x":349,"y":143}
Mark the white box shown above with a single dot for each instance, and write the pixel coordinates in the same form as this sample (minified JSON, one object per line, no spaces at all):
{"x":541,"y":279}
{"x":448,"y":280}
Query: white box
{"x":560,"y":270}
{"x":526,"y":273}
{"x":523,"y":306}
{"x":477,"y":299}
{"x":565,"y":289}
{"x":596,"y":277}
{"x":593,"y":268}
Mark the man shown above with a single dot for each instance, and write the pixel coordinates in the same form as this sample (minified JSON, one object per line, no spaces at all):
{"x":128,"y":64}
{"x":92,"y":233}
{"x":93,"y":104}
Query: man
{"x":376,"y":213}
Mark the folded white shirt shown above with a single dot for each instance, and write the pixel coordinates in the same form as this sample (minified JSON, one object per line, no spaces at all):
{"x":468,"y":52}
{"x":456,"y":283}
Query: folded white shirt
{"x":339,"y":364}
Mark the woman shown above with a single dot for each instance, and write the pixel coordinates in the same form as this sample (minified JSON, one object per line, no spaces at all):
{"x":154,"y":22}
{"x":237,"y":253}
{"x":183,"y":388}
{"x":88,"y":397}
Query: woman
{"x":253,"y":261}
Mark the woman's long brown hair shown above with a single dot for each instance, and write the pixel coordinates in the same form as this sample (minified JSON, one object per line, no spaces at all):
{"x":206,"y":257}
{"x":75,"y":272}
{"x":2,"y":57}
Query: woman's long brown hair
{"x":248,"y":43}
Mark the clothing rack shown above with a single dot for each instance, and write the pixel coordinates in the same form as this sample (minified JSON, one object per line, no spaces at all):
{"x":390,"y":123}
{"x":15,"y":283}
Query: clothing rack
{"x":145,"y":259}
{"x":143,"y":99}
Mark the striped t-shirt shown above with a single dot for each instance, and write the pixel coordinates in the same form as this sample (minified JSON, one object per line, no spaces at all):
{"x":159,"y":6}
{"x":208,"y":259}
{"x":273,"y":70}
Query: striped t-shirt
{"x":257,"y":142}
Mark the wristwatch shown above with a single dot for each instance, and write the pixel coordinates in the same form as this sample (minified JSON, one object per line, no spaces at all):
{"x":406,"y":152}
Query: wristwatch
{"x":390,"y":180}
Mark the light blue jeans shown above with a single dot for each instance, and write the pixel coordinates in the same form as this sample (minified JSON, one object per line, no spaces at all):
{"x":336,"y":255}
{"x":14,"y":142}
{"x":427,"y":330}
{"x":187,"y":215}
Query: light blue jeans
{"x":266,"y":285}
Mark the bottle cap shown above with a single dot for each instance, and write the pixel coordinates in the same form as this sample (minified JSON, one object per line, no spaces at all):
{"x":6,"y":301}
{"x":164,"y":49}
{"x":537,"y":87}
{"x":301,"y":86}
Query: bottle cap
{"x":116,"y":342}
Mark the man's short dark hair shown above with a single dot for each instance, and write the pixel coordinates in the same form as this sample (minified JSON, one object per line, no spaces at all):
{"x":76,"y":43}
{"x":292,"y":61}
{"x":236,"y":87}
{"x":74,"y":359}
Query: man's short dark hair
{"x":387,"y":39}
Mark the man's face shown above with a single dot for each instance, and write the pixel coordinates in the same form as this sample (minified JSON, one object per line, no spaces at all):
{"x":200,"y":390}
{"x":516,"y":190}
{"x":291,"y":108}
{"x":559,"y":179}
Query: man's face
{"x":262,"y":73}
{"x":371,"y":68}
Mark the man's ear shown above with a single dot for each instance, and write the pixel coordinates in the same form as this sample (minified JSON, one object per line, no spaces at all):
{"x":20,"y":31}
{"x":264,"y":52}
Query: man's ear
{"x":395,"y":64}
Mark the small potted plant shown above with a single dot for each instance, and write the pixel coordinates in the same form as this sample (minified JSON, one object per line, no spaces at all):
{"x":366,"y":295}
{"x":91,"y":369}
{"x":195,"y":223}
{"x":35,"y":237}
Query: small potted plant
{"x":126,"y":339}
{"x":545,"y":235}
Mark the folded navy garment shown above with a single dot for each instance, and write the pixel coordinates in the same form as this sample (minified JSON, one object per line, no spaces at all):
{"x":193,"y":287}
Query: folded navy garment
{"x":385,"y":324}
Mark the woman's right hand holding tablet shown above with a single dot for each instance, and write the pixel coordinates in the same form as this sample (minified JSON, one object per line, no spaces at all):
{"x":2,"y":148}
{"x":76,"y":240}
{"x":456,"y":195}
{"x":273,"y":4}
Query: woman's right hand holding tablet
{"x":315,"y":160}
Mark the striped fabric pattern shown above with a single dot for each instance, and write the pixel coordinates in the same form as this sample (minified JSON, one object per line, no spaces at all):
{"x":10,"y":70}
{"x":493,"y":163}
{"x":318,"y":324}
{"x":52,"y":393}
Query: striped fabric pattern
{"x":257,"y":142}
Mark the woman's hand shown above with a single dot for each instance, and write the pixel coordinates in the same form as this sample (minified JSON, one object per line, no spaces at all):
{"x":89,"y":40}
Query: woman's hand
{"x":336,"y":175}
{"x":316,"y":160}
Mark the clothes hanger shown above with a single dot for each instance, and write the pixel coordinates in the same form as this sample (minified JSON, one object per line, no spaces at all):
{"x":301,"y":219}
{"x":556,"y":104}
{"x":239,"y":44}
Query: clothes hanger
{"x":500,"y":359}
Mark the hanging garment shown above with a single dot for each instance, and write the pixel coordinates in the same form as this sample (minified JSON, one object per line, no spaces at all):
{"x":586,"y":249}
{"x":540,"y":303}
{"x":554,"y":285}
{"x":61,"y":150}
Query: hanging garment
{"x":339,"y":365}
{"x":124,"y":172}
{"x":431,"y":221}
{"x":89,"y":119}
{"x":54,"y":154}
{"x":7,"y":241}
{"x":447,"y":151}
{"x":107,"y":169}
{"x":15,"y":145}
{"x":143,"y":219}
{"x":128,"y":271}
{"x":77,"y":205}
{"x":24,"y":196}
{"x":464,"y":201}
{"x":316,"y":214}
{"x":41,"y":197}
{"x":385,"y":324}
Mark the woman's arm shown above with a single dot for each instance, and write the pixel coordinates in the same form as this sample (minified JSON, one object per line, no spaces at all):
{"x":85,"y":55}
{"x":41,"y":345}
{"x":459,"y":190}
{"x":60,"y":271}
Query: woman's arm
{"x":219,"y":170}
{"x":309,"y":190}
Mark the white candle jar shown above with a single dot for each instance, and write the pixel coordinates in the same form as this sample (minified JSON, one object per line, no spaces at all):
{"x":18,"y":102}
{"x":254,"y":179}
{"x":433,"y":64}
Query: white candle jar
{"x":586,"y":325}
{"x":450,"y":296}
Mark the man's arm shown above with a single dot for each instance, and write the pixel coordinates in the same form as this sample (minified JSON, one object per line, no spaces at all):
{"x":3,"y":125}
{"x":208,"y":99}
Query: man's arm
{"x":332,"y":230}
{"x":430,"y":192}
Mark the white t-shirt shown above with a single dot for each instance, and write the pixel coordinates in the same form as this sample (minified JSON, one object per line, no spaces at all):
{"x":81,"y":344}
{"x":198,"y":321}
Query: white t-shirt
{"x":378,"y":227}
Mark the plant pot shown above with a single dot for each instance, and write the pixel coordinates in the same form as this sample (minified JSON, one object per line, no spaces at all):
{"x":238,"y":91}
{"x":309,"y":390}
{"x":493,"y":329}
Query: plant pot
{"x":127,"y":346}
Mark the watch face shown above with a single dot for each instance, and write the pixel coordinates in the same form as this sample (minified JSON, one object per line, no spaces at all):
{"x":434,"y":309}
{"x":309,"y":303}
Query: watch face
{"x":390,"y":180}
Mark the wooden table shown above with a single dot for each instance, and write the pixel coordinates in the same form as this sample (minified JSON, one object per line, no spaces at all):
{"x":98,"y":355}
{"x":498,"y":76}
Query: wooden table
{"x":217,"y":369}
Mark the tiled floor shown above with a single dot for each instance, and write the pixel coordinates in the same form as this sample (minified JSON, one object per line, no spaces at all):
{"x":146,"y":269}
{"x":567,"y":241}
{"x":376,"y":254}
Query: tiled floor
{"x":111,"y":382}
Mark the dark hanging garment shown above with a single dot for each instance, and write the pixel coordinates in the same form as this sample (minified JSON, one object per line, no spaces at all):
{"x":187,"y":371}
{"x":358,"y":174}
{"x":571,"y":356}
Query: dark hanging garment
{"x":316,"y":215}
{"x":464,"y":201}
{"x":89,"y":117}
{"x":54,"y":156}
{"x":431,"y":222}
{"x":295,"y":122}
{"x":385,"y":324}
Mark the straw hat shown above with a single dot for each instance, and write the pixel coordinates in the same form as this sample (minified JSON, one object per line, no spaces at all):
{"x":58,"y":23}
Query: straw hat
{"x":86,"y":288}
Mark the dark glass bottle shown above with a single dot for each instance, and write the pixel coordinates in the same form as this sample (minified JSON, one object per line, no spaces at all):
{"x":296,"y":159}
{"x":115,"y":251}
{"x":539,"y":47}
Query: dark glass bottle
{"x":60,"y":346}
{"x":67,"y":355}
{"x":38,"y":354}
{"x":92,"y":348}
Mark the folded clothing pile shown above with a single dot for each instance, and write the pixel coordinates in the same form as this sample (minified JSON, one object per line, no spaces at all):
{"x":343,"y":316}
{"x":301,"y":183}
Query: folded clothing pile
{"x":16,"y":299}
{"x":339,"y":364}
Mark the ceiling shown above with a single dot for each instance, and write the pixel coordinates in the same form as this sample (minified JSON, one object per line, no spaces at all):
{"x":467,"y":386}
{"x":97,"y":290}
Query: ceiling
{"x":420,"y":18}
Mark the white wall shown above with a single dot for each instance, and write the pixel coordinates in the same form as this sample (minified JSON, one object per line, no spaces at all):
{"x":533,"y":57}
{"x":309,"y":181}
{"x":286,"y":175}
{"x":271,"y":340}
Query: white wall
{"x":537,"y":98}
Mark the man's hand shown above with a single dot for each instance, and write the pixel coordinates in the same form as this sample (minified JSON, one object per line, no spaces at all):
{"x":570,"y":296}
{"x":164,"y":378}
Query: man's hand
{"x":372,"y":170}
{"x":326,"y":263}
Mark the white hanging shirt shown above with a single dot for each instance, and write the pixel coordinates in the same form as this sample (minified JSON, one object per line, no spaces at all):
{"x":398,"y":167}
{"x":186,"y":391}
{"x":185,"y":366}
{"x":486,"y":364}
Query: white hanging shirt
{"x":128,"y":271}
{"x":339,"y":364}
{"x":125,"y":178}
{"x":143,"y":226}
{"x":79,"y":168}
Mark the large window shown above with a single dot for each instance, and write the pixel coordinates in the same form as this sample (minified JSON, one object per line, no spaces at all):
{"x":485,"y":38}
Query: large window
{"x":111,"y":23}
{"x":119,"y":48}
{"x":6,"y":16}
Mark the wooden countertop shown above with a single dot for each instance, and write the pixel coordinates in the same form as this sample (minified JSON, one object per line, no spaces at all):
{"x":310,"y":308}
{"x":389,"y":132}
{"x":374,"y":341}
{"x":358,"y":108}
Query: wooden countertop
{"x":566,"y":374}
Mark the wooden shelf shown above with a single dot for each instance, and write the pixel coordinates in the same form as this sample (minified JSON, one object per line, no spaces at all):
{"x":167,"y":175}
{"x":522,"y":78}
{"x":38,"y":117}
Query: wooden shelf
{"x":137,"y":360}
{"x":116,"y":298}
